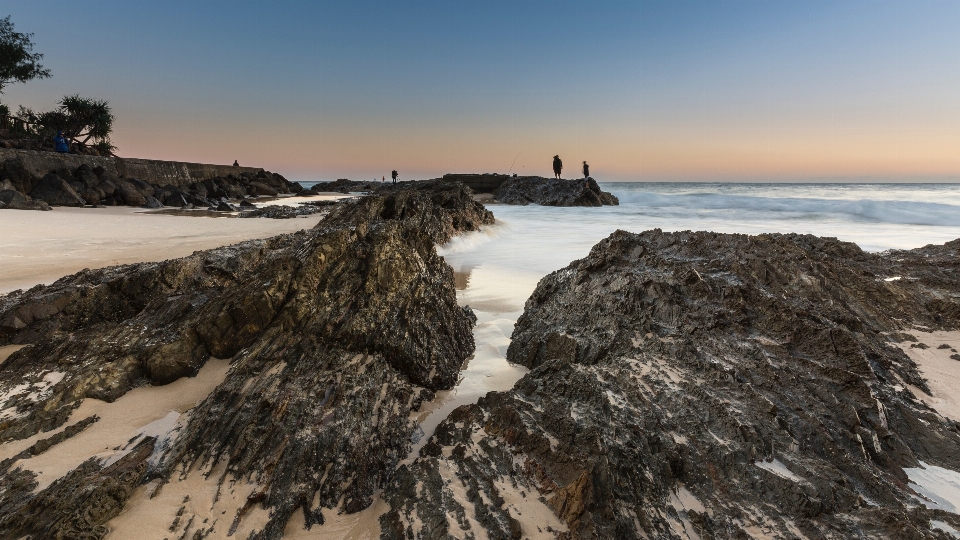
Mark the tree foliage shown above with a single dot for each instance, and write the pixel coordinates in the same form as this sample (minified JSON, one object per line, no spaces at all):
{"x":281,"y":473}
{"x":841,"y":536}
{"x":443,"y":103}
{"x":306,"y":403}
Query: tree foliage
{"x":17,"y":61}
{"x":80,"y":119}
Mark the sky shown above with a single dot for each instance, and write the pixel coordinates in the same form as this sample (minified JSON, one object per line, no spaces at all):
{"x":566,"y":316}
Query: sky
{"x":731,"y":90}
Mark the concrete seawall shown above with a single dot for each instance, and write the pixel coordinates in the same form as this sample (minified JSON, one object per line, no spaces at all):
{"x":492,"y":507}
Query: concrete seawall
{"x":154,"y":171}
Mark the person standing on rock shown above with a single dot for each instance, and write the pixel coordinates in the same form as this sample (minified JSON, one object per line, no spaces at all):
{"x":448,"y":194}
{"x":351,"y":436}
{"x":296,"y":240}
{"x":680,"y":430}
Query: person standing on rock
{"x":235,"y":163}
{"x":394,"y":175}
{"x":60,"y":143}
{"x":557,"y":166}
{"x":586,"y":170}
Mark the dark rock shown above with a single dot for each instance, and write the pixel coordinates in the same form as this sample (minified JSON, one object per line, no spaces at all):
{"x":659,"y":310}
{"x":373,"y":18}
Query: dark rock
{"x":344,"y":185}
{"x":129,"y":194}
{"x":553,"y":192}
{"x":152,"y":202}
{"x":707,"y":381}
{"x":280,"y":211}
{"x":79,"y":505}
{"x":54,"y":191}
{"x":226,"y":207}
{"x":944,"y":346}
{"x":14,"y":200}
{"x":9,"y":196}
{"x":247,"y":204}
{"x":335,"y":335}
{"x":259,"y":188}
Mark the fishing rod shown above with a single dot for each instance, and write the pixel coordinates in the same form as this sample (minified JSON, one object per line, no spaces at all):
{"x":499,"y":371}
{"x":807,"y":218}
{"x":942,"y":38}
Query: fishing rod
{"x":514,"y":162}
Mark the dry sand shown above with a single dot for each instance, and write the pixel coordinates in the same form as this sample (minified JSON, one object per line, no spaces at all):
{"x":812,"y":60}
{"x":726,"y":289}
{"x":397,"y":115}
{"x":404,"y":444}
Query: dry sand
{"x":941,"y":372}
{"x":41,"y":247}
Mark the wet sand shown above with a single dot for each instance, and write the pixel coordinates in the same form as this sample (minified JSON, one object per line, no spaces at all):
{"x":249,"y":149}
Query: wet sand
{"x":41,"y":247}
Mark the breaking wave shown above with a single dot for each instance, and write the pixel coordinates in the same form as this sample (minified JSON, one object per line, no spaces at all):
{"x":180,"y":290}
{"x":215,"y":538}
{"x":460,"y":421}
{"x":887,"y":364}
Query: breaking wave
{"x":881,"y":211}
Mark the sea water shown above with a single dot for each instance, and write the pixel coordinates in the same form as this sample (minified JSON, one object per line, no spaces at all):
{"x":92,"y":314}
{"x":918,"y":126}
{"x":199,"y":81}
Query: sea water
{"x":499,"y":267}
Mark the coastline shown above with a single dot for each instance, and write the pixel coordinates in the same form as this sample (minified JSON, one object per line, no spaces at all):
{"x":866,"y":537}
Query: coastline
{"x":491,"y":271}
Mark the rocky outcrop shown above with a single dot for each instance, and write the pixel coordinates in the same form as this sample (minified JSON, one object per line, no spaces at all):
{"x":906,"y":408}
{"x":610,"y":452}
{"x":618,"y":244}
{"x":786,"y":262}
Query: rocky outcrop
{"x":281,"y":211}
{"x":702,"y":385}
{"x":526,"y":190}
{"x":344,"y":185}
{"x":86,"y":185}
{"x":335,"y":336}
{"x":14,"y":200}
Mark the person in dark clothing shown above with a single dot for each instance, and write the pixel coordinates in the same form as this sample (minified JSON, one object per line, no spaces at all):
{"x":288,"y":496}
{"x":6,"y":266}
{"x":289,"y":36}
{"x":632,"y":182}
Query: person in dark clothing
{"x":586,"y":170}
{"x":235,"y":164}
{"x":394,"y":175}
{"x":61,"y":143}
{"x":557,"y":166}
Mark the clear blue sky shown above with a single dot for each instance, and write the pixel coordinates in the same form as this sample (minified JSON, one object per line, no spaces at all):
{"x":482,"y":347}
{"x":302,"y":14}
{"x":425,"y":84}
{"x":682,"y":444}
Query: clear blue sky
{"x":643,"y":90}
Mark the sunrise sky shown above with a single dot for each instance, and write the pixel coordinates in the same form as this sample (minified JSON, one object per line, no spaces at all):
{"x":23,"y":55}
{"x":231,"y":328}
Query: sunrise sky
{"x":725,"y":90}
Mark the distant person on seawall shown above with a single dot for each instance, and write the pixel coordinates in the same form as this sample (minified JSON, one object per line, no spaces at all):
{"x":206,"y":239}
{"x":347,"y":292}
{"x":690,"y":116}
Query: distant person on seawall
{"x":235,"y":164}
{"x":586,"y":170}
{"x":557,"y":166}
{"x":60,"y":143}
{"x":394,"y":175}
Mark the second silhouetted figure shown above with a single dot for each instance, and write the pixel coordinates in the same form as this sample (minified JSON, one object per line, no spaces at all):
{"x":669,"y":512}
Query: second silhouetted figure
{"x":557,"y":166}
{"x":586,"y":170}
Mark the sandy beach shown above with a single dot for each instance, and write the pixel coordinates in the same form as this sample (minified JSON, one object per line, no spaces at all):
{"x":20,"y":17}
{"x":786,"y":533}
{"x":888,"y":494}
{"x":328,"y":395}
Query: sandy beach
{"x":41,"y":247}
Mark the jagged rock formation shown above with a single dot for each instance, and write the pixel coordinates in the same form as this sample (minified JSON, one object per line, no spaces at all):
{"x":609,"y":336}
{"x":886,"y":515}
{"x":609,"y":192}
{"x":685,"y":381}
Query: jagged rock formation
{"x":702,"y":385}
{"x":336,"y":335}
{"x":525,"y":190}
{"x":85,"y":185}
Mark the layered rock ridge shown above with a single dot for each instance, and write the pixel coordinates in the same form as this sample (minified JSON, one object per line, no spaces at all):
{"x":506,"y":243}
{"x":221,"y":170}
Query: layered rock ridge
{"x":334,"y":335}
{"x":703,"y":385}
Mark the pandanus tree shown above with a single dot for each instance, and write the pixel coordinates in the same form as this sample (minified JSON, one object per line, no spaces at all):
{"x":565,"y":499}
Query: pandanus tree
{"x":82,"y":120}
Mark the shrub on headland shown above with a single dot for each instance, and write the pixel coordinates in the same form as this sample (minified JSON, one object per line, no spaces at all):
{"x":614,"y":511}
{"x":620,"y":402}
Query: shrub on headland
{"x":86,"y":123}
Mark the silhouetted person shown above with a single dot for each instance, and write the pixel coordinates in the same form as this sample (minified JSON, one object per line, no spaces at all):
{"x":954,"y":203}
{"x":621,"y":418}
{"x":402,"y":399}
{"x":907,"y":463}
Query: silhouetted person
{"x":586,"y":170}
{"x":394,"y":175}
{"x":557,"y":166}
{"x":60,"y":143}
{"x":235,"y":164}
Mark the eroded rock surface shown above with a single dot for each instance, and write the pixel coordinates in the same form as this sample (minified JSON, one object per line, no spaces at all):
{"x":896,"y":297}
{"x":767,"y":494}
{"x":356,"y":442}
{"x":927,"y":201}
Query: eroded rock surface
{"x":701,"y":385}
{"x":524,"y":190}
{"x":336,"y":335}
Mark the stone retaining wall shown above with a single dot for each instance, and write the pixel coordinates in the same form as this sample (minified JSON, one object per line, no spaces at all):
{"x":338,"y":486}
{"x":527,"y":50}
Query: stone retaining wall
{"x":154,"y":171}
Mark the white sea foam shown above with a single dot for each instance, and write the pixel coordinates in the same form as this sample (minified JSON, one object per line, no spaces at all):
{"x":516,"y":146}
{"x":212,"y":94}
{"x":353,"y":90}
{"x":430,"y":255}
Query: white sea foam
{"x":760,"y":207}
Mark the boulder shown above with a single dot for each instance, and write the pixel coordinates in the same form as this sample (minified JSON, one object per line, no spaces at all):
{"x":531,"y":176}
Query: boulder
{"x":226,"y":207}
{"x":56,"y":192}
{"x":143,"y":187}
{"x":14,"y":200}
{"x":259,"y":188}
{"x":152,"y":202}
{"x":129,"y":194}
{"x":247,"y":204}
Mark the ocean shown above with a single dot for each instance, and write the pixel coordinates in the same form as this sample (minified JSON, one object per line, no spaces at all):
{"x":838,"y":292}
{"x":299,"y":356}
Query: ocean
{"x":499,"y":267}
